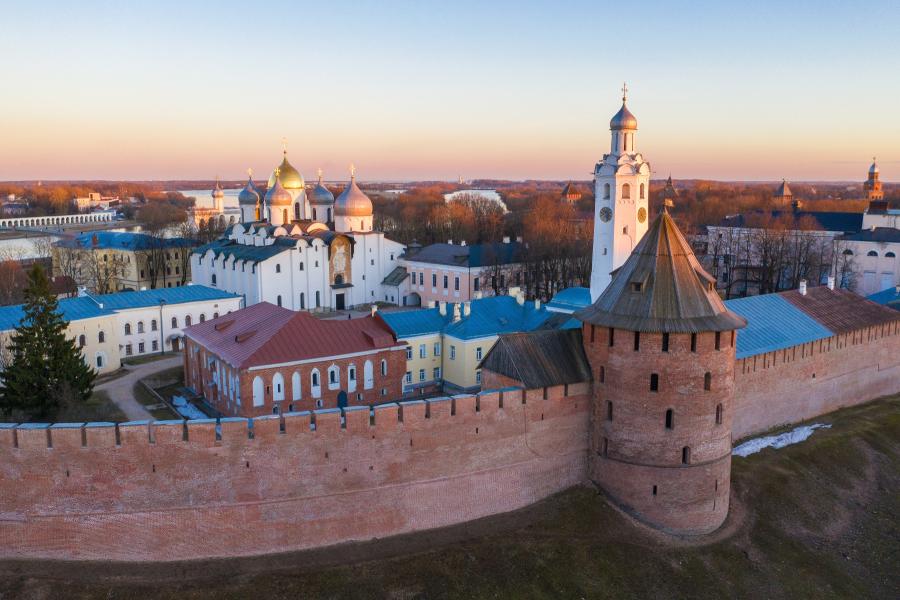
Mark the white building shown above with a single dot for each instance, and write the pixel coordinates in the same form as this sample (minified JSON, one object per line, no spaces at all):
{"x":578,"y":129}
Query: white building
{"x":621,"y":189}
{"x":286,"y":252}
{"x":873,"y":253}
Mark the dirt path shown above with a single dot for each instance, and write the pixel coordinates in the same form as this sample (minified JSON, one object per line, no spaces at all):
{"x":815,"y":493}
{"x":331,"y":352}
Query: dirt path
{"x":119,"y":389}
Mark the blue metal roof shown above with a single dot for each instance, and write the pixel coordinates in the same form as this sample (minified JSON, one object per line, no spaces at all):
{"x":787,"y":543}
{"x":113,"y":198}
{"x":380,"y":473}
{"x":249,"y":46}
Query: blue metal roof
{"x":122,"y":240}
{"x":88,"y":307}
{"x":571,"y":299}
{"x":773,"y":323}
{"x":489,"y":316}
{"x":889,"y":297}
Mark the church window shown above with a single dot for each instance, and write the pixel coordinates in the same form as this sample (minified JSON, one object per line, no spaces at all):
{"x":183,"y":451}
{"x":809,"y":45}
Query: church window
{"x":642,"y":191}
{"x":302,"y":301}
{"x":626,"y":191}
{"x":214,"y":279}
{"x":665,"y":342}
{"x":707,"y":381}
{"x":605,"y":447}
{"x":384,"y":368}
{"x":278,"y":268}
{"x":848,"y":252}
{"x":670,"y":419}
{"x":719,"y":412}
{"x":278,"y":300}
{"x":636,"y":286}
{"x":872,"y":253}
{"x":686,"y":455}
{"x":654,"y":490}
{"x":593,"y":329}
{"x":318,"y":299}
{"x":606,"y":191}
{"x":140,"y":328}
{"x":612,"y":337}
{"x":654,"y":382}
{"x":187,"y":320}
{"x":890,"y":255}
{"x":301,"y":265}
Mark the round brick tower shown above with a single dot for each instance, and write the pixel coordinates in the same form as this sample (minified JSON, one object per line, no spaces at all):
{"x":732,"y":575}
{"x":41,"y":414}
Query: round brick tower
{"x":662,"y":350}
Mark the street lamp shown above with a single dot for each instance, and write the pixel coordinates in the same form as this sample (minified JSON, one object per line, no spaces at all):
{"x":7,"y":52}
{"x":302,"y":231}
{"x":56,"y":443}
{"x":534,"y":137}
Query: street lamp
{"x":162,"y":325}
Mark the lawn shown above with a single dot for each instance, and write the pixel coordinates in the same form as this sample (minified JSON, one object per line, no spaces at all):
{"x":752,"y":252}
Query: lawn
{"x":98,"y":407}
{"x":818,"y":519}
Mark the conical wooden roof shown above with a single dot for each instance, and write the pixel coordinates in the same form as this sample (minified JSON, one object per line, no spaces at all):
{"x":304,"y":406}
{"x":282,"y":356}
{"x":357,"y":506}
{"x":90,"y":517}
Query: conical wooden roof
{"x":662,"y":288}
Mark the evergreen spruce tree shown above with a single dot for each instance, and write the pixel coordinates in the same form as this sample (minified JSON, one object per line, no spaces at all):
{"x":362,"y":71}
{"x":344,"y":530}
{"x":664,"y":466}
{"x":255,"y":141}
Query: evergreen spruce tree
{"x":44,"y":368}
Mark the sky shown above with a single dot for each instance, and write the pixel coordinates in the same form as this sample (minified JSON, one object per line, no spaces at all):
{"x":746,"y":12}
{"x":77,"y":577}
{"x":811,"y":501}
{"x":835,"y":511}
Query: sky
{"x":434,"y":90}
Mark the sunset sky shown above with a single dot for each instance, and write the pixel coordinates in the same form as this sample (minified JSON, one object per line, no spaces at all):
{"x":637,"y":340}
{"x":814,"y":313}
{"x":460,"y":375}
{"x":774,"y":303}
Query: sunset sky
{"x":432,"y":90}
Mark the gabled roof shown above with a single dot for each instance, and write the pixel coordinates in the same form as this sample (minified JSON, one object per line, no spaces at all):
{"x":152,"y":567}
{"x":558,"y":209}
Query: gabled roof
{"x":396,"y":277}
{"x":540,"y":358}
{"x":840,"y":310}
{"x":773,"y":323}
{"x":476,"y":255}
{"x":661,"y":288}
{"x":265,"y":334}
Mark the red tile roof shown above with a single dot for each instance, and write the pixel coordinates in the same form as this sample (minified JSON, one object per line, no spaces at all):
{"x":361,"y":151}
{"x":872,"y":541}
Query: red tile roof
{"x":840,"y":310}
{"x":265,"y":334}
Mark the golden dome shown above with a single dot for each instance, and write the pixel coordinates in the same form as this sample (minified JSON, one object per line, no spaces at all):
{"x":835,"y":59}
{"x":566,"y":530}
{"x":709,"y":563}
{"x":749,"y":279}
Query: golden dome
{"x":291,"y":178}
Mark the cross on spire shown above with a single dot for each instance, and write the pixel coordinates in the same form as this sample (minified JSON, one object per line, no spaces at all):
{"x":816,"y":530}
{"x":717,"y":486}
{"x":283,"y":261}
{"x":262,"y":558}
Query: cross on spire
{"x":624,"y":91}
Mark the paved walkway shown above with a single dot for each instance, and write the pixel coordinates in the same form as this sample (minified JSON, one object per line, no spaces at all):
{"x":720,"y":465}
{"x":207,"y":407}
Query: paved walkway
{"x":120,"y":388}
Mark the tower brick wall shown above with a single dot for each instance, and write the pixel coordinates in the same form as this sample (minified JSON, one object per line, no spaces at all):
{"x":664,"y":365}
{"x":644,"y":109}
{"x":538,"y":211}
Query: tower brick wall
{"x":672,"y":472}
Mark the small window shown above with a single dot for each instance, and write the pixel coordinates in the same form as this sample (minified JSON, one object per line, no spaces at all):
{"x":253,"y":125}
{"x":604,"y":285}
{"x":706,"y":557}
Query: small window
{"x":140,"y":327}
{"x":872,"y":253}
{"x":612,"y":337}
{"x":602,"y":374}
{"x":423,"y":351}
{"x":141,"y":347}
{"x":101,"y":337}
{"x":437,"y":373}
{"x":626,"y":191}
{"x":82,"y":341}
{"x":637,"y":341}
{"x":187,"y":320}
{"x":202,"y":317}
{"x":437,"y":348}
{"x":421,"y":374}
{"x":277,"y":300}
{"x":446,"y":279}
{"x":383,"y":368}
{"x":636,"y":286}
{"x":719,"y":414}
{"x":693,"y":342}
{"x":606,"y":191}
{"x":174,"y":322}
{"x":409,"y":353}
{"x":665,"y":342}
{"x":478,"y":353}
{"x":718,"y":340}
{"x":99,"y":361}
{"x":452,"y":352}
{"x":153,"y":325}
{"x":409,"y":377}
{"x":278,"y":268}
{"x":670,"y":419}
{"x":686,"y":455}
{"x":890,"y":255}
{"x":707,"y":381}
{"x":642,"y":191}
{"x":654,"y":382}
{"x":609,"y":411}
{"x":301,"y":265}
{"x":604,"y":449}
{"x":654,"y":490}
{"x":478,"y":377}
{"x":127,"y":328}
{"x":213,"y":279}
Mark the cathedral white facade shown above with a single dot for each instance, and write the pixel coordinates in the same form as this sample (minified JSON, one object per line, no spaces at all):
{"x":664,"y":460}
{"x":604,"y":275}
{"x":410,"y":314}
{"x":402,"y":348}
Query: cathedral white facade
{"x":621,"y":190}
{"x":301,"y":249}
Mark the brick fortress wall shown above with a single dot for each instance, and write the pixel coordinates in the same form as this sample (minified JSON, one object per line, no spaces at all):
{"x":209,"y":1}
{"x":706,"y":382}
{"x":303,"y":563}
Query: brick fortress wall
{"x":173,"y":490}
{"x":802,"y":382}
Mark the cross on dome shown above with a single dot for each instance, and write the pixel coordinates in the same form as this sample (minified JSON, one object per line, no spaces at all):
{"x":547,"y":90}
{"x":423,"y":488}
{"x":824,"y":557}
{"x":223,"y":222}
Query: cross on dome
{"x":624,"y":91}
{"x":352,"y":171}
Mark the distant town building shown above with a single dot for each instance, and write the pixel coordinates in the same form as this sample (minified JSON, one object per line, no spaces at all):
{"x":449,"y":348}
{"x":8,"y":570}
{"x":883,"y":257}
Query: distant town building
{"x":872,"y":186}
{"x":95,"y":201}
{"x":111,"y":260}
{"x":111,"y":327}
{"x":266,"y":359}
{"x":571,"y":194}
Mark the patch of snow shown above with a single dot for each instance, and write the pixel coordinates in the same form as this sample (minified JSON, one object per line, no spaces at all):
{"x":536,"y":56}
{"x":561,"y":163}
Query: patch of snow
{"x":793,"y":436}
{"x":186,"y":409}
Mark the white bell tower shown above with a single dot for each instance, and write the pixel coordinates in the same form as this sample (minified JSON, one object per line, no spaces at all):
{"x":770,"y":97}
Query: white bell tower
{"x":621,"y":192}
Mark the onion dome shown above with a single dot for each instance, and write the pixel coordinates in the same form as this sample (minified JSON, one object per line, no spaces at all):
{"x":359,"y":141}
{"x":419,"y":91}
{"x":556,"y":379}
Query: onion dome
{"x":353,"y":202}
{"x":320,"y":194}
{"x":249,"y":195}
{"x":623,"y":119}
{"x":217,"y":191}
{"x":662,"y":288}
{"x":277,"y":195}
{"x":291,"y":178}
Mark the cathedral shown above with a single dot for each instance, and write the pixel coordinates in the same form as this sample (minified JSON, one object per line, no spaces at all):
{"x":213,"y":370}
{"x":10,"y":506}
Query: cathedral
{"x":301,"y":248}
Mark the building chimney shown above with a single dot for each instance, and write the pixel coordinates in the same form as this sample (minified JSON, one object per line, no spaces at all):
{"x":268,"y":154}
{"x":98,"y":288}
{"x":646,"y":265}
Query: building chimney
{"x":537,"y":304}
{"x":520,"y":298}
{"x":456,"y":315}
{"x":82,"y":291}
{"x":467,"y":309}
{"x":462,"y":243}
{"x":802,"y":287}
{"x":442,"y":308}
{"x":432,"y":303}
{"x":450,"y":242}
{"x":374,"y":309}
{"x":830,"y":283}
{"x":505,"y":239}
{"x":478,"y":295}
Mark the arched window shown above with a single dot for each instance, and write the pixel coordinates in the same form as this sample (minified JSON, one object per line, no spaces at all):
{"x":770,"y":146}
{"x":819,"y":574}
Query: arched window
{"x":215,"y":315}
{"x":654,"y":382}
{"x":719,"y":413}
{"x":670,"y":419}
{"x":202,"y":317}
{"x":100,"y":360}
{"x":686,"y":455}
{"x":214,"y":279}
{"x":153,"y":325}
{"x":278,"y":268}
{"x":606,"y":191}
{"x":82,"y":341}
{"x":848,"y":252}
{"x":368,"y":375}
{"x":258,"y":391}
{"x":315,"y":383}
{"x":101,"y":337}
{"x":187,"y":320}
{"x":174,"y":322}
{"x":872,"y":253}
{"x":278,"y":300}
{"x":890,"y":255}
{"x":351,"y":378}
{"x":642,"y":191}
{"x":127,"y":328}
{"x":334,"y":377}
{"x":384,"y":368}
{"x":626,"y":191}
{"x":318,"y":299}
{"x":277,"y":387}
{"x":295,"y":386}
{"x":707,"y":381}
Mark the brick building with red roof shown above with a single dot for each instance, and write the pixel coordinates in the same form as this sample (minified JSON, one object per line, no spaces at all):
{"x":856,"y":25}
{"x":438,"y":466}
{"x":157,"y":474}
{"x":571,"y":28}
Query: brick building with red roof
{"x":266,"y":359}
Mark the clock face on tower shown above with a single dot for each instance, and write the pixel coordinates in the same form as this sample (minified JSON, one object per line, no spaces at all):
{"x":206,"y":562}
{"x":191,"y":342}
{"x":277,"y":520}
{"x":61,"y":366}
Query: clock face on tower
{"x":606,"y":214}
{"x":642,"y":214}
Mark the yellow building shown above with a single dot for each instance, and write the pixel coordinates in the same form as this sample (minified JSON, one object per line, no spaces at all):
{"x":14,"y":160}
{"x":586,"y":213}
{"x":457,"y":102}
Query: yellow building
{"x":107,"y":261}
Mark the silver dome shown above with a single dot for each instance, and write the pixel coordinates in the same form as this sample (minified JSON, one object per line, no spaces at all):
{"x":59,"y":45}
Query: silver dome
{"x":320,"y":194}
{"x":249,"y":195}
{"x":623,"y":119}
{"x":353,"y":202}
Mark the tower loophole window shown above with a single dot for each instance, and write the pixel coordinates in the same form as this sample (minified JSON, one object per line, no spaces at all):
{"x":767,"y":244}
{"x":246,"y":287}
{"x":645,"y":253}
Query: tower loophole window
{"x":654,"y":382}
{"x":686,"y":455}
{"x":670,"y":419}
{"x":707,"y":381}
{"x":719,"y":414}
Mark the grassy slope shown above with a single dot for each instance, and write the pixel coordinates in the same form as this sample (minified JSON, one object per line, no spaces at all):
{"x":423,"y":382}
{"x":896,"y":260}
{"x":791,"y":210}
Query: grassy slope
{"x":818,"y":519}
